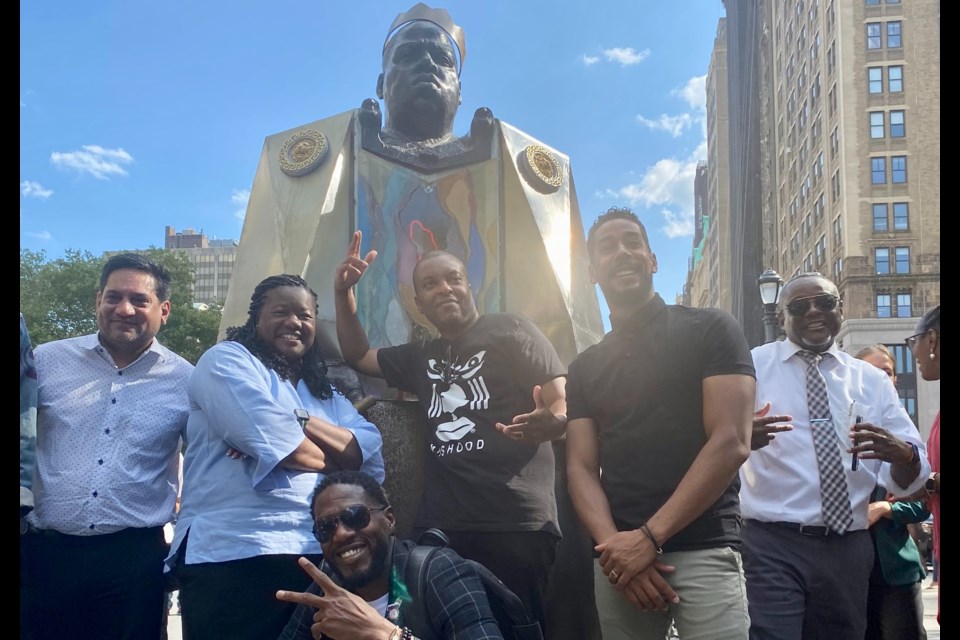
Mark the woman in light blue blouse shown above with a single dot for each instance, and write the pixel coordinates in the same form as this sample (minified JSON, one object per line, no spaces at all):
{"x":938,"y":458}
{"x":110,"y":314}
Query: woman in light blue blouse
{"x":251,"y":465}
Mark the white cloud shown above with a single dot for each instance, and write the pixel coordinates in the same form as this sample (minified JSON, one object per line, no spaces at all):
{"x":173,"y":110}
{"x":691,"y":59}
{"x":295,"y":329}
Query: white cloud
{"x":240,"y":198}
{"x":694,"y":92}
{"x":678,"y":224}
{"x":99,"y":162}
{"x":674,"y":125}
{"x":40,"y":235}
{"x":30,"y":189}
{"x":668,"y":184}
{"x":626,"y":56}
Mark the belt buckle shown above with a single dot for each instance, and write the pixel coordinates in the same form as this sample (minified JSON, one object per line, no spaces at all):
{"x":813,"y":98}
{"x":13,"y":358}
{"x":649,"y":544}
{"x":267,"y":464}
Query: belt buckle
{"x":815,"y":530}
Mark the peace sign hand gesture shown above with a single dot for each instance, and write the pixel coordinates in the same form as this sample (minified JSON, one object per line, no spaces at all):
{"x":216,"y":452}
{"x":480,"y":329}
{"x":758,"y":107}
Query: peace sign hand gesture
{"x":340,"y":615}
{"x":349,"y":271}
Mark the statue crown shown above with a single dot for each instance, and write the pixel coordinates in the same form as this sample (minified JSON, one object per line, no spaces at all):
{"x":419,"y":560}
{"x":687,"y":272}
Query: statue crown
{"x":439,"y":17}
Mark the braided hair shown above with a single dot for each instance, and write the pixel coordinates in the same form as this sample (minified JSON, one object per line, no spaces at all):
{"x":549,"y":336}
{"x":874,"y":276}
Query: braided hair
{"x":313,"y":371}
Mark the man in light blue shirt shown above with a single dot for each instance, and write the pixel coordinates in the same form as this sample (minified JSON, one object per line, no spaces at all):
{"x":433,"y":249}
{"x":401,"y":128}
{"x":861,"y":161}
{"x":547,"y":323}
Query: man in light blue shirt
{"x":111,"y":413}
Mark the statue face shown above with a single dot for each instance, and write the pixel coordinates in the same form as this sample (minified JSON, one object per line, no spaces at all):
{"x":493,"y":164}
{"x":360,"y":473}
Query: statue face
{"x":419,"y":81}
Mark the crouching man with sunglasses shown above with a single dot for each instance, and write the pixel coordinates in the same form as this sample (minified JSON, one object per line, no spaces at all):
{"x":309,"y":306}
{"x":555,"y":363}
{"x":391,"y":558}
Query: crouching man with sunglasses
{"x":807,"y":554}
{"x":358,"y":592}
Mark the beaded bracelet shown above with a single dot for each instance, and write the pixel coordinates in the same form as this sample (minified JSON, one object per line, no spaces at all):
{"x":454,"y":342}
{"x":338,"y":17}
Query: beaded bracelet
{"x":653,"y":541}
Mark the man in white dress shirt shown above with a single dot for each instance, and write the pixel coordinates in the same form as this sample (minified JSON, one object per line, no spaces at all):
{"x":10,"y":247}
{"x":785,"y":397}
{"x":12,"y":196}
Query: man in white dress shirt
{"x":807,"y":553}
{"x":112,"y":408}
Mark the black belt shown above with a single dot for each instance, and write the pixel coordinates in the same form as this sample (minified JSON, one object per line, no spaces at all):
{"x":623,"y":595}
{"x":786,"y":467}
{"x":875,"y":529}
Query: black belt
{"x":66,"y":539}
{"x":812,"y":530}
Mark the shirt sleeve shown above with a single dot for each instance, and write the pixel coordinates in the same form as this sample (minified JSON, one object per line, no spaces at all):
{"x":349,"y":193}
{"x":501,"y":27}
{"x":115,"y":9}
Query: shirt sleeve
{"x":234,"y":395}
{"x":367,"y":435}
{"x":576,"y":402}
{"x":896,"y":420}
{"x":28,"y":418}
{"x":457,"y":600}
{"x":537,"y":360}
{"x":909,"y":512}
{"x":725,"y":348}
{"x":398,"y":365}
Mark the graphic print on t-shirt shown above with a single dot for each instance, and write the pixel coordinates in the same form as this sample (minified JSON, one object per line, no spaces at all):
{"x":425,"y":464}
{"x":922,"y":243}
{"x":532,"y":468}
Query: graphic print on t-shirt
{"x":456,"y":385}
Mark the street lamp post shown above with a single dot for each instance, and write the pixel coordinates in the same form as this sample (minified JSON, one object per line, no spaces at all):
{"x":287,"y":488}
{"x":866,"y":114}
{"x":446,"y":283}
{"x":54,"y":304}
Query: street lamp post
{"x":770,"y":284}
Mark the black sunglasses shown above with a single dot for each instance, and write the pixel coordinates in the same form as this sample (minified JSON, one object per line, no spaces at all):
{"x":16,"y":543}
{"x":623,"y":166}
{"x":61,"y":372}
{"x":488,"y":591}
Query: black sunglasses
{"x":912,"y":340}
{"x":355,"y":517}
{"x":800,"y":306}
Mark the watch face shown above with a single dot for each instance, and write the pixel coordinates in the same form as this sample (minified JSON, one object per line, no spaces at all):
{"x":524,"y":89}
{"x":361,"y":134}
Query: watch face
{"x":931,"y":484}
{"x":301,"y":414}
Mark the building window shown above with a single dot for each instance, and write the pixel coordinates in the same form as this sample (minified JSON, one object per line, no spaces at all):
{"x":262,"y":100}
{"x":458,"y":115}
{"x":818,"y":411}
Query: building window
{"x":869,"y":2}
{"x":834,"y":142}
{"x":808,"y":263}
{"x":897,"y":124}
{"x":883,"y":305}
{"x":893,"y":34}
{"x":878,"y":170}
{"x":898,"y":169}
{"x":875,"y":79}
{"x":881,"y":257}
{"x":895,"y":79}
{"x":876,"y":124}
{"x":832,"y":101}
{"x":837,"y":269}
{"x":832,"y":58}
{"x":880,"y":217}
{"x":901,"y":216}
{"x":873,"y":36}
{"x":837,"y":232}
{"x":835,"y":184}
{"x":904,"y":305}
{"x":902,"y":255}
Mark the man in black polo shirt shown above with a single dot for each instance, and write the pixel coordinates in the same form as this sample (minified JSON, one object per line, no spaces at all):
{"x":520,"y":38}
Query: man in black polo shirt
{"x":664,"y":406}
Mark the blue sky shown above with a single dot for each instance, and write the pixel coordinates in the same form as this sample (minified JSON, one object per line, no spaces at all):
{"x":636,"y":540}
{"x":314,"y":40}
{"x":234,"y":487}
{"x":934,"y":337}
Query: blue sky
{"x":138,"y":115}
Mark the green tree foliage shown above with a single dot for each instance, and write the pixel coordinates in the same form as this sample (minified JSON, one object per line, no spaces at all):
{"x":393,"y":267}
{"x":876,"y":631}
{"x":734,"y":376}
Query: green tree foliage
{"x":58,"y":298}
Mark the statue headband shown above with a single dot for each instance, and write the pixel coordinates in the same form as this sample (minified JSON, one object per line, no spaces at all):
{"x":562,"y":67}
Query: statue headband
{"x":439,"y":17}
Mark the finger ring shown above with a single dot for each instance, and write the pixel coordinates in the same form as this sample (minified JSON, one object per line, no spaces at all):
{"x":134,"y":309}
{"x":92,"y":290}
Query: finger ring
{"x":614,"y":576}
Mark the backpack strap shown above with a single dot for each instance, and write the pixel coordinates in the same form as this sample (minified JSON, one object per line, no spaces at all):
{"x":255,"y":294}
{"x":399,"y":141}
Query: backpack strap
{"x":416,"y":617}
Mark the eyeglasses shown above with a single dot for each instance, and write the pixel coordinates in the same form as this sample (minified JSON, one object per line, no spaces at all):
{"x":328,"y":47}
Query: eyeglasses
{"x":355,"y":517}
{"x":912,"y":340}
{"x":825,"y":303}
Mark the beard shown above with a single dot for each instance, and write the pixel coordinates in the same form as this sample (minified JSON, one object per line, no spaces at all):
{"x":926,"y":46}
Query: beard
{"x":360,"y":579}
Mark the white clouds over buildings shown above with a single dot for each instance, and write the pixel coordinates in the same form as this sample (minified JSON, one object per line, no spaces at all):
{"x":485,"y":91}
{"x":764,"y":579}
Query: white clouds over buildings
{"x":40,"y":235}
{"x":668,"y":184}
{"x":94,"y":160}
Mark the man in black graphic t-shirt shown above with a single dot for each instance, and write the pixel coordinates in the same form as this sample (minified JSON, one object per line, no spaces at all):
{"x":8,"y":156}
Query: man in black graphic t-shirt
{"x":492,"y":387}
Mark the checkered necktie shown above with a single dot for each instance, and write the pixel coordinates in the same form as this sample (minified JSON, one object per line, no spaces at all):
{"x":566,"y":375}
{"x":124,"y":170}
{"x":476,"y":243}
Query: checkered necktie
{"x":835,"y":501}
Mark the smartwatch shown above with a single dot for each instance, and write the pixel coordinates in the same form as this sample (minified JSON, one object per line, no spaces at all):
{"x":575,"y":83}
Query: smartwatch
{"x":302,"y":417}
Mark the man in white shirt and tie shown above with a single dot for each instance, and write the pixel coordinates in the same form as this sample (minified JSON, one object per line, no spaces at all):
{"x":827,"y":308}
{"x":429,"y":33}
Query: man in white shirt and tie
{"x":112,"y":409}
{"x":806,"y":551}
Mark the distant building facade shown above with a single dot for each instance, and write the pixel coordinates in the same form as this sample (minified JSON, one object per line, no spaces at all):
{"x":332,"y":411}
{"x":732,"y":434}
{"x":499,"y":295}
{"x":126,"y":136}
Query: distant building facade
{"x":213,"y":262}
{"x":709,"y":273}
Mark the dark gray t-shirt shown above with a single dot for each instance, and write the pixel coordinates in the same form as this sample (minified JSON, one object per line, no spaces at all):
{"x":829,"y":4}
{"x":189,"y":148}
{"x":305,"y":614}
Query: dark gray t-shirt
{"x":476,"y":479}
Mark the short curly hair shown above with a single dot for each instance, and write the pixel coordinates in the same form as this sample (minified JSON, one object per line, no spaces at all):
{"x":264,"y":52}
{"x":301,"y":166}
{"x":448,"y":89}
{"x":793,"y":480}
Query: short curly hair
{"x":614,"y":213}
